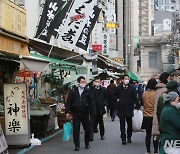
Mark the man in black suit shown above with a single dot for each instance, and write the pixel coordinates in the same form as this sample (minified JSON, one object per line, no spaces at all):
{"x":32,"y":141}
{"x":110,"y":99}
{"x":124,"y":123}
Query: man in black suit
{"x":80,"y":103}
{"x":126,"y":100}
{"x":101,"y":99}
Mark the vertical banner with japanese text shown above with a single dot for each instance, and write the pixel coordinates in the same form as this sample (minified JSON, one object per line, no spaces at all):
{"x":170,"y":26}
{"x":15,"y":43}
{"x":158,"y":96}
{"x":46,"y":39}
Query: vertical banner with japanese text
{"x":51,"y":8}
{"x":75,"y":22}
{"x":16,"y":109}
{"x":84,"y":38}
{"x":105,"y":44}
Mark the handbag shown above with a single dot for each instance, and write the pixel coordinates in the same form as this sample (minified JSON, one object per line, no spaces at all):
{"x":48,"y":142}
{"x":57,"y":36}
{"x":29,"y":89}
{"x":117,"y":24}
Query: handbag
{"x":67,"y":130}
{"x":137,"y":121}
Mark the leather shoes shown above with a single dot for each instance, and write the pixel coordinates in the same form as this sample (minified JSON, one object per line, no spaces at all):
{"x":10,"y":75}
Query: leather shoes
{"x":76,"y":149}
{"x":87,"y":146}
{"x":129,"y":140}
{"x":102,"y":138}
{"x":123,"y":142}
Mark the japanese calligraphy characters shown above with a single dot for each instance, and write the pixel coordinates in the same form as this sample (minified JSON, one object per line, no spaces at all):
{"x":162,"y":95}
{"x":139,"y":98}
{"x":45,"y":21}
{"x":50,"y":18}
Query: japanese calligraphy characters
{"x":105,"y":44}
{"x":15,"y":102}
{"x":75,"y":22}
{"x":85,"y":34}
{"x":51,"y":8}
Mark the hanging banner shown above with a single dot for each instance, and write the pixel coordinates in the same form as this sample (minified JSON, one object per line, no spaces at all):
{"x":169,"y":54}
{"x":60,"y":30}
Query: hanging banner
{"x":84,"y":38}
{"x":50,"y":10}
{"x":16,"y":114}
{"x":75,"y":22}
{"x":105,"y":50}
{"x":57,"y":23}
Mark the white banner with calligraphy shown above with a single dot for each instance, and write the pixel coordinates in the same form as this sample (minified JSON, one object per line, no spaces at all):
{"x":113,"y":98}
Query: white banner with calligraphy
{"x":75,"y":22}
{"x":15,"y":105}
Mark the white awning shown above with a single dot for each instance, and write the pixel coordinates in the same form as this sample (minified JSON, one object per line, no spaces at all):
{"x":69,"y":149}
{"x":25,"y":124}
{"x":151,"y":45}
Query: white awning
{"x":34,"y":64}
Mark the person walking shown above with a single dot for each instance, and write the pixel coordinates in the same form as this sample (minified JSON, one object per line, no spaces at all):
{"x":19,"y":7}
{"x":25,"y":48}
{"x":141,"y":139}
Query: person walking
{"x":148,"y":100}
{"x":126,"y":99}
{"x":171,"y":86}
{"x":80,"y":104}
{"x":112,"y":101}
{"x":160,"y":89}
{"x":170,"y":123}
{"x":101,"y":98}
{"x":139,"y":91}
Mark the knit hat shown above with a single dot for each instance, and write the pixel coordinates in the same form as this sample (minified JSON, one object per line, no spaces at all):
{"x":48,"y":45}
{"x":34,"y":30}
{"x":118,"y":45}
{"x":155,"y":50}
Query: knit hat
{"x":170,"y":97}
{"x":172,"y":85}
{"x":163,"y":77}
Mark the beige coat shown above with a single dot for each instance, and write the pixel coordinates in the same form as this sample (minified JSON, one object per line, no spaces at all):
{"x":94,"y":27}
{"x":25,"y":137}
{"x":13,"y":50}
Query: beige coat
{"x":148,"y":99}
{"x":161,"y":88}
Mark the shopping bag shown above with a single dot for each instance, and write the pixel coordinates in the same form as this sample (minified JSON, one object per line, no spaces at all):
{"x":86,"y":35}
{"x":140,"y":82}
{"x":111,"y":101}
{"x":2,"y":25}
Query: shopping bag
{"x":137,"y":121}
{"x":67,"y":131}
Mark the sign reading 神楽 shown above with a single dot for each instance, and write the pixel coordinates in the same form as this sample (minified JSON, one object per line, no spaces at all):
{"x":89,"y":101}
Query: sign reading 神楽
{"x":16,"y":114}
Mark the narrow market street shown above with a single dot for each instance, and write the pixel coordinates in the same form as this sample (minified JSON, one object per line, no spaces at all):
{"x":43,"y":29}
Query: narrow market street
{"x":111,"y":145}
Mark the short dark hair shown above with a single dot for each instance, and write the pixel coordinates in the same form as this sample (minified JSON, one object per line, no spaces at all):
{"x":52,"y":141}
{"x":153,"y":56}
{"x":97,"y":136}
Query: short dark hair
{"x":151,"y":84}
{"x":97,"y":78}
{"x":112,"y":81}
{"x":125,"y":76}
{"x":163,"y":77}
{"x":79,"y":78}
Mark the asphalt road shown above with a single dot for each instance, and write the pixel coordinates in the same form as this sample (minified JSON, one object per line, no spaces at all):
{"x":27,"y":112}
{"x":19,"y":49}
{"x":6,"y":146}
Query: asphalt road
{"x":111,"y":145}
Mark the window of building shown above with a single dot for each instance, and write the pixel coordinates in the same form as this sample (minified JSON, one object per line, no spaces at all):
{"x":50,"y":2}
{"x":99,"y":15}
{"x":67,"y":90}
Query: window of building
{"x":161,"y":1}
{"x":166,"y":7}
{"x":166,"y":1}
{"x":172,"y":8}
{"x":152,"y":59}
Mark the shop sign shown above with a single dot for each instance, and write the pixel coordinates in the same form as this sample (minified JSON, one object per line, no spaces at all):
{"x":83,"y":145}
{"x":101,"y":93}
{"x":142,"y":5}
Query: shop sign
{"x":105,"y":44}
{"x":16,"y":111}
{"x":97,"y":47}
{"x":111,"y":25}
{"x":119,"y":60}
{"x":179,"y":56}
{"x":12,"y":17}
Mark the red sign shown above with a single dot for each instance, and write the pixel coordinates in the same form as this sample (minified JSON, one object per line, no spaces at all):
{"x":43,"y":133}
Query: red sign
{"x":97,"y":47}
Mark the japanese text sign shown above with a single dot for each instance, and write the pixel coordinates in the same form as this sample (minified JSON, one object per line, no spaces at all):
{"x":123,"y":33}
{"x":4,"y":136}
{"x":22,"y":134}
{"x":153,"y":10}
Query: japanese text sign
{"x":15,"y":104}
{"x":73,"y":28}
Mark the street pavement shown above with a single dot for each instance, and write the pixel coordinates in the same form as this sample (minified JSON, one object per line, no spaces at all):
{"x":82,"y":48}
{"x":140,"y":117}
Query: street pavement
{"x":111,"y":145}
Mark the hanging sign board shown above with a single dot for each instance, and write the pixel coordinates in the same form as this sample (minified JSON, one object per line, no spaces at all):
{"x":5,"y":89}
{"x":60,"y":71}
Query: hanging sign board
{"x":16,"y":114}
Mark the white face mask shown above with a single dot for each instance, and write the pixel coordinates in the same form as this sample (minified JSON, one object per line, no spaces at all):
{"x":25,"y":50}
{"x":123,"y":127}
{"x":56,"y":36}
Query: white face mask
{"x":97,"y":84}
{"x":126,"y":82}
{"x":82,"y":85}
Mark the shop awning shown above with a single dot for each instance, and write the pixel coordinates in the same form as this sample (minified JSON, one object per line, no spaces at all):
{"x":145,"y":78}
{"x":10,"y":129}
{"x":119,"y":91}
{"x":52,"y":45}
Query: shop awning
{"x":110,"y":65}
{"x":34,"y":64}
{"x":134,"y":77}
{"x":13,"y":44}
{"x":58,"y":53}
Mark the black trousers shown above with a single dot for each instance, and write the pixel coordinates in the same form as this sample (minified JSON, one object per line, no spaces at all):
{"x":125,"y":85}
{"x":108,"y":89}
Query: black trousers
{"x":123,"y":121}
{"x":99,"y":120}
{"x":77,"y":120}
{"x":112,"y":113}
{"x":91,"y":127}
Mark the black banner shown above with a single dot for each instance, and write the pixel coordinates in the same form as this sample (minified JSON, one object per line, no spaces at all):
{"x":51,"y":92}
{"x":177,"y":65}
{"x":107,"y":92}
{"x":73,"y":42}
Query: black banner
{"x":84,"y":38}
{"x":50,"y":11}
{"x":57,"y":24}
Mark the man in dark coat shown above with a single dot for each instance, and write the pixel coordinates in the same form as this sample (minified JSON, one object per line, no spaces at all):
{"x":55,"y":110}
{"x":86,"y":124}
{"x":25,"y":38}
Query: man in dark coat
{"x":126,"y":99}
{"x":112,"y":101}
{"x":81,"y":104}
{"x":139,"y":91}
{"x":101,"y":98}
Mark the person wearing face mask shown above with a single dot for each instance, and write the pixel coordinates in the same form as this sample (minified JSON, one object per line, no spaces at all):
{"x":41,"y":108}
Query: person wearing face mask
{"x":170,"y":123}
{"x":126,"y":99}
{"x":101,"y":98}
{"x":164,"y":78}
{"x":80,"y":104}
